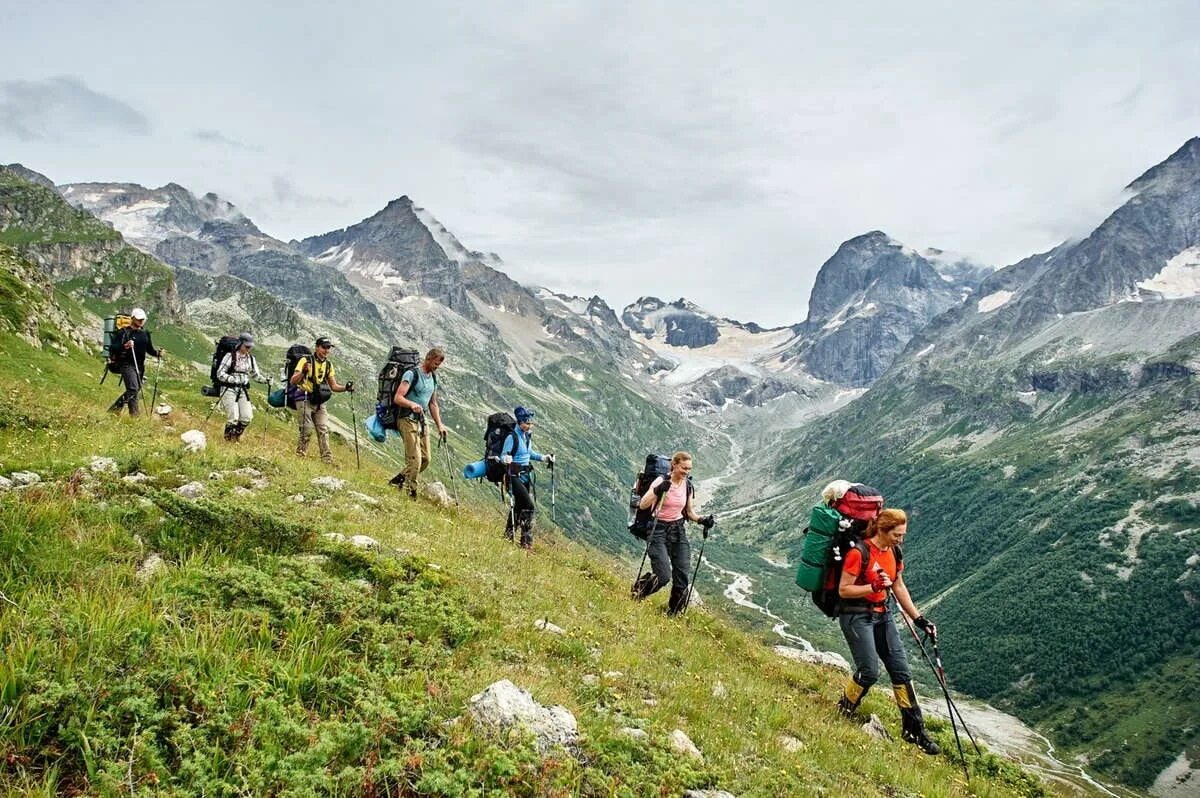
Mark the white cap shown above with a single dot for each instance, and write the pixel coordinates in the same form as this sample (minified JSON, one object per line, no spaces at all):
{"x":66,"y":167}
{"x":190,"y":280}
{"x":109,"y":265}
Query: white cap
{"x":138,"y":313}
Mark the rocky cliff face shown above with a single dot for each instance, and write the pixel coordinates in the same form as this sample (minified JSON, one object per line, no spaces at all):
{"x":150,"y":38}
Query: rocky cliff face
{"x":209,"y":234}
{"x":868,"y":300}
{"x":395,"y":252}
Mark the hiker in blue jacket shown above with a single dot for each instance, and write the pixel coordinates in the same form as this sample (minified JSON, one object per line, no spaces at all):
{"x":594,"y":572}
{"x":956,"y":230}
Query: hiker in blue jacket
{"x":516,"y":454}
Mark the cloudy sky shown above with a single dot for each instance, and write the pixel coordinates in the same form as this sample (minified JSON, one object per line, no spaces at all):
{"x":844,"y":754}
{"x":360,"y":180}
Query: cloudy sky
{"x":719,"y":151}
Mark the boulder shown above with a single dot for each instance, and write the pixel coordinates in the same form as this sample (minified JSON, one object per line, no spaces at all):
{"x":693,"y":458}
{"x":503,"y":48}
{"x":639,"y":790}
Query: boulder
{"x":875,"y":728}
{"x":682,"y":744}
{"x":633,"y":734}
{"x":336,"y":537}
{"x":193,"y":441}
{"x":22,"y":479}
{"x":790,"y":744}
{"x":829,"y":659}
{"x":102,"y":465}
{"x":260,"y":483}
{"x":246,"y":471}
{"x":719,"y":691}
{"x":5,"y":484}
{"x":546,"y":626}
{"x":136,"y":478}
{"x":296,"y":498}
{"x":363,"y":498}
{"x":192,"y":490}
{"x":162,"y":409}
{"x":240,"y":491}
{"x":503,"y":706}
{"x":328,"y":483}
{"x":436,"y":492}
{"x":708,"y":794}
{"x":365,"y":542}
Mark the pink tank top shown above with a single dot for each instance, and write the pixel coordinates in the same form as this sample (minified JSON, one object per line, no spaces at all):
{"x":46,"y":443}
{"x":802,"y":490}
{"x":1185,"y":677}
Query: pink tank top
{"x":673,"y":502}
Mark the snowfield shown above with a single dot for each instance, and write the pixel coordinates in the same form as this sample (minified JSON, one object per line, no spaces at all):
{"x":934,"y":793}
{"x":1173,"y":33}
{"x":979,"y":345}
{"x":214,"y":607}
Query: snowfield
{"x":994,"y":300}
{"x":1179,"y":279}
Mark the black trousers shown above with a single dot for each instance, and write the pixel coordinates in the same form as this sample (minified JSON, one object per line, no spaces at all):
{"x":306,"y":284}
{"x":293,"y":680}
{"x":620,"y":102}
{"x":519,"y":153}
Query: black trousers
{"x":670,"y":554}
{"x":522,"y":507}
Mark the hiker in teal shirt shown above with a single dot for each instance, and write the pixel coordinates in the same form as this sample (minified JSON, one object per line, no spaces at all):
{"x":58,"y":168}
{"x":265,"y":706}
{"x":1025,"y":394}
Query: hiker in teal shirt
{"x":416,"y":396}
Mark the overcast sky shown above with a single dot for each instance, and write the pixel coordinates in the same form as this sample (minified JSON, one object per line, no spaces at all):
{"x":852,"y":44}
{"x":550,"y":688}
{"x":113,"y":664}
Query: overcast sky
{"x":715,"y":151}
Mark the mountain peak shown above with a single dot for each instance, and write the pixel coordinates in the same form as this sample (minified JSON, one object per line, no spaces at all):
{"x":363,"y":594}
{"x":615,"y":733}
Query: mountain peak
{"x":1183,"y":164}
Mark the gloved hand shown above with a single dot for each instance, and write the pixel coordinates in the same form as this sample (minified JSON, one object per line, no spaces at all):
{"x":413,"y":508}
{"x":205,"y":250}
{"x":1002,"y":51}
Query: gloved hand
{"x":880,"y":582}
{"x":350,"y":386}
{"x":707,"y":522}
{"x":548,"y":459}
{"x":662,"y":488}
{"x":925,"y":625}
{"x":506,"y":458}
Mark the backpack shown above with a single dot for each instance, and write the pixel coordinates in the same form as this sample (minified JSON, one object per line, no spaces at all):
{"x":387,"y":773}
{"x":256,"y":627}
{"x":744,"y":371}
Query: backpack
{"x":641,"y":521}
{"x":294,"y":353}
{"x":225,"y":345}
{"x":113,"y":339}
{"x":390,"y":376}
{"x":831,"y":532}
{"x":499,"y":426}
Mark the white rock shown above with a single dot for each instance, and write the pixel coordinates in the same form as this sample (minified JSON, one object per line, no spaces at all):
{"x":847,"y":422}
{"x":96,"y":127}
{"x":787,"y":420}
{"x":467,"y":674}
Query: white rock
{"x":328,"y":483}
{"x":5,"y":483}
{"x":192,"y":490}
{"x":365,"y":542}
{"x":436,"y":491}
{"x":260,"y":483}
{"x":503,"y":706}
{"x":162,"y":409}
{"x":875,"y":728}
{"x":370,"y":501}
{"x":136,"y":478}
{"x":311,"y":559}
{"x":22,"y":479}
{"x":240,"y":491}
{"x":683,"y":744}
{"x":790,"y":744}
{"x":215,"y":475}
{"x":650,"y":702}
{"x":590,"y":679}
{"x":546,"y":626}
{"x":103,"y":465}
{"x":336,"y":537}
{"x":247,"y":471}
{"x":613,"y":674}
{"x":150,"y":568}
{"x":708,"y":794}
{"x":719,"y":691}
{"x":635,"y":734}
{"x":828,"y":658}
{"x":297,"y":498}
{"x":193,"y":441}
{"x":362,"y":584}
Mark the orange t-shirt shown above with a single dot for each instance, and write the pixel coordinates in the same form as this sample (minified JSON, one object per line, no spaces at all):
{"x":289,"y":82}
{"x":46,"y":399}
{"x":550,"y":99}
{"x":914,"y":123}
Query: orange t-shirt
{"x":876,"y":559}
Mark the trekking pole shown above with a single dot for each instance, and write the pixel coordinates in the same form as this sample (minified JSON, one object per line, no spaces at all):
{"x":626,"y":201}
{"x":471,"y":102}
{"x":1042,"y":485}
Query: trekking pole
{"x":213,"y":409}
{"x":940,"y":672}
{"x":552,"y":493}
{"x":354,"y":423}
{"x":688,"y":602}
{"x":649,"y":540}
{"x":444,"y":445}
{"x":949,"y":704}
{"x":154,"y":398}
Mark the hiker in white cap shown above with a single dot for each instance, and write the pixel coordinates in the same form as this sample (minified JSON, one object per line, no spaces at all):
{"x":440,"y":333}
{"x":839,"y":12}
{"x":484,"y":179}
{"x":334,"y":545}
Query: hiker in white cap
{"x":133,"y":344}
{"x":234,"y":373}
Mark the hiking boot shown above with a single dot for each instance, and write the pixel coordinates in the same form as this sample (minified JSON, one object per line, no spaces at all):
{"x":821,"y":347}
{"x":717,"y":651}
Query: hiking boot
{"x":852,"y":695}
{"x":229,"y":431}
{"x":397,"y":480}
{"x":412,"y":493}
{"x":912,"y":724}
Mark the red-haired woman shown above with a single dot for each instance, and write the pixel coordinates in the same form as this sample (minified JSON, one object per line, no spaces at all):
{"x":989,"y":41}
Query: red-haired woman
{"x":871,"y":570}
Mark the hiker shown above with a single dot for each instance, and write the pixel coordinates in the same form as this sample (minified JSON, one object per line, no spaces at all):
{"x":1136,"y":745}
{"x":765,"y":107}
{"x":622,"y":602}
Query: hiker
{"x":868,"y":626}
{"x":516,"y":452}
{"x":312,"y":385}
{"x":416,"y":397}
{"x":667,"y":546}
{"x":133,"y":344}
{"x":234,"y":373}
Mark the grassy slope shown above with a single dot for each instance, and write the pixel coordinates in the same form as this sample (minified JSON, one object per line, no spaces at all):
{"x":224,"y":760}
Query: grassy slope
{"x":248,"y":667}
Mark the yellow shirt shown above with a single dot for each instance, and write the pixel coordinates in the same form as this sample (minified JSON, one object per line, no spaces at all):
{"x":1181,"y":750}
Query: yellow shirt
{"x":321,"y":370}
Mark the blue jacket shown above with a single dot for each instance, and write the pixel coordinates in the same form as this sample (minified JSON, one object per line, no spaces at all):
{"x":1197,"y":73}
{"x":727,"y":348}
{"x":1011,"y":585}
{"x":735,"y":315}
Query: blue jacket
{"x":522,"y":449}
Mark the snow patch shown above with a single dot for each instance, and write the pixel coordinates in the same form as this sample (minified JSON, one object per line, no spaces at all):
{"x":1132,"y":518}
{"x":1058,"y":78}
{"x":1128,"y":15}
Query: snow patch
{"x":924,"y":352}
{"x":1179,"y":279}
{"x":994,"y":300}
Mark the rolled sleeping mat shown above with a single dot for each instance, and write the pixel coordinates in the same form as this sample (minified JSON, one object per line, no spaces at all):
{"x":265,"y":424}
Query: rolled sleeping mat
{"x":475,"y":470}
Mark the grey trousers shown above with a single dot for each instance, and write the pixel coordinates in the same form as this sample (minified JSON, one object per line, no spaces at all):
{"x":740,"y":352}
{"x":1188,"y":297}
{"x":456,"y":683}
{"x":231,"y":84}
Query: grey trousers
{"x":133,"y":387}
{"x":872,"y":637}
